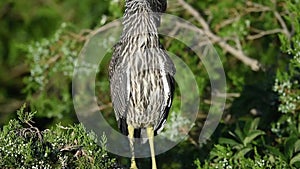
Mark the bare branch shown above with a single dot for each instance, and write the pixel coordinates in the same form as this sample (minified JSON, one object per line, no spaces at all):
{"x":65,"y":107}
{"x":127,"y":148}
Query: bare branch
{"x":239,"y":54}
{"x":262,"y":8}
{"x":52,"y":60}
{"x":238,"y":43}
{"x":264,"y":33}
{"x":172,"y":33}
{"x":105,"y":106}
{"x":255,"y":7}
{"x":105,"y":27}
{"x":282,"y":23}
{"x":253,"y":63}
{"x":196,"y":14}
{"x":227,"y":22}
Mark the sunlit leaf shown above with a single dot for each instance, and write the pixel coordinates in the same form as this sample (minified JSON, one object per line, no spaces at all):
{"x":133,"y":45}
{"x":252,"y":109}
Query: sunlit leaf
{"x":297,"y":146}
{"x":243,"y":152}
{"x":295,"y":159}
{"x":252,"y":135}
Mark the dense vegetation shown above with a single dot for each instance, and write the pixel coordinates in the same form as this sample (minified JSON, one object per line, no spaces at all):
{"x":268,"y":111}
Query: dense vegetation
{"x":258,"y":43}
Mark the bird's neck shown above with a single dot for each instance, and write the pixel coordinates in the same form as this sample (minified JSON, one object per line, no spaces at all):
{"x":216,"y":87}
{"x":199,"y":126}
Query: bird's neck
{"x":140,"y":20}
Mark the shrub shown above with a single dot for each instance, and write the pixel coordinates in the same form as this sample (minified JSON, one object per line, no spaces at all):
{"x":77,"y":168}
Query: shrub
{"x":22,"y":145}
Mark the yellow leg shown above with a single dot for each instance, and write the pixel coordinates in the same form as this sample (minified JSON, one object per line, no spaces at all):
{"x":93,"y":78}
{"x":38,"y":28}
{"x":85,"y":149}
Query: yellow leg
{"x":131,"y":138}
{"x":150,"y":133}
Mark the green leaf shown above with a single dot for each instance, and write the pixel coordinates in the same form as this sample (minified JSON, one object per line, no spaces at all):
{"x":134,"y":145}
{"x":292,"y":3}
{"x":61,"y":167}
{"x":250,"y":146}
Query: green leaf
{"x":289,"y":146}
{"x":254,"y":124}
{"x":275,"y":151}
{"x":252,"y":135}
{"x":295,"y":159}
{"x":238,"y":133}
{"x":228,"y":141}
{"x":220,"y":152}
{"x":251,"y":125}
{"x":243,"y":152}
{"x":297,"y":146}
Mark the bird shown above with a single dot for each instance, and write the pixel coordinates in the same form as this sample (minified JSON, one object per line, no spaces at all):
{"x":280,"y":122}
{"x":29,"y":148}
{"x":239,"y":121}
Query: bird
{"x":141,"y":75}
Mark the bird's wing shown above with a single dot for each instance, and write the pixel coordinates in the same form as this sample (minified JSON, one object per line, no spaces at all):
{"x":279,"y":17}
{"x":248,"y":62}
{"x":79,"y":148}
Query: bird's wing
{"x":120,"y":97}
{"x":115,"y":59}
{"x":167,"y":105}
{"x":119,"y":85}
{"x":119,"y":93}
{"x":168,"y":65}
{"x":169,"y":85}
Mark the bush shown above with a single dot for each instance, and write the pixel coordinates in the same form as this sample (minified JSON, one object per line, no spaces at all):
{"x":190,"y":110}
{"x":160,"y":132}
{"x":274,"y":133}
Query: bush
{"x":22,"y":145}
{"x":260,"y":127}
{"x":278,"y":146}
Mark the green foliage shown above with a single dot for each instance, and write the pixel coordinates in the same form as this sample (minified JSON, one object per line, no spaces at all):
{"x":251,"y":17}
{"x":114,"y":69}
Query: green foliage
{"x":260,"y":128}
{"x":176,"y":123}
{"x":51,"y":62}
{"x":26,"y":23}
{"x":25,"y":117}
{"x":278,"y":147}
{"x":288,"y":89}
{"x":243,"y":139}
{"x":24,"y":146}
{"x":248,"y":149}
{"x":287,"y":82}
{"x":227,"y":162}
{"x":116,"y":8}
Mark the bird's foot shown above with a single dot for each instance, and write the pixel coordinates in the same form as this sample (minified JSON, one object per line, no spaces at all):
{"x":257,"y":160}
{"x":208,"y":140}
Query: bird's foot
{"x":133,"y":165}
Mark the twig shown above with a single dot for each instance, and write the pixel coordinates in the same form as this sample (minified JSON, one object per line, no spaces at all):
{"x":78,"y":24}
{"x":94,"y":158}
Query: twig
{"x":227,"y":22}
{"x":195,"y":143}
{"x":238,"y":43}
{"x":254,"y":64}
{"x":172,"y":33}
{"x":239,"y":54}
{"x":53,"y":59}
{"x":105,"y":106}
{"x":228,"y":95}
{"x":196,"y":14}
{"x":256,"y":7}
{"x":80,"y":37}
{"x":282,"y":23}
{"x":99,"y":108}
{"x":103,"y":28}
{"x":264,"y":33}
{"x":262,"y":8}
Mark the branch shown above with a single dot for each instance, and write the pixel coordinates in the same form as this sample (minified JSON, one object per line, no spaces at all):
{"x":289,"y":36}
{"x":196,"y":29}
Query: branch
{"x":239,"y":54}
{"x":172,"y":33}
{"x":264,"y":33}
{"x":108,"y":26}
{"x":196,"y":14}
{"x":253,"y":63}
{"x":255,"y":7}
{"x":282,"y":23}
{"x":227,"y":22}
{"x":262,"y":8}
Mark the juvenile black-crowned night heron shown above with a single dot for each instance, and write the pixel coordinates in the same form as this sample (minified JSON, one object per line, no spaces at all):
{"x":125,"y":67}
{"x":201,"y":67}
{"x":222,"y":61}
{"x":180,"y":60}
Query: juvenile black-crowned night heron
{"x":141,"y":74}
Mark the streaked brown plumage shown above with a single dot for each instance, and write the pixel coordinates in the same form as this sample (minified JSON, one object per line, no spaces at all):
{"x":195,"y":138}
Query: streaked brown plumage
{"x":141,"y":73}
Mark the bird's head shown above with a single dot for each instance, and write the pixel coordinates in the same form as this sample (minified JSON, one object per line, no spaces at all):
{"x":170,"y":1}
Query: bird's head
{"x":156,"y":5}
